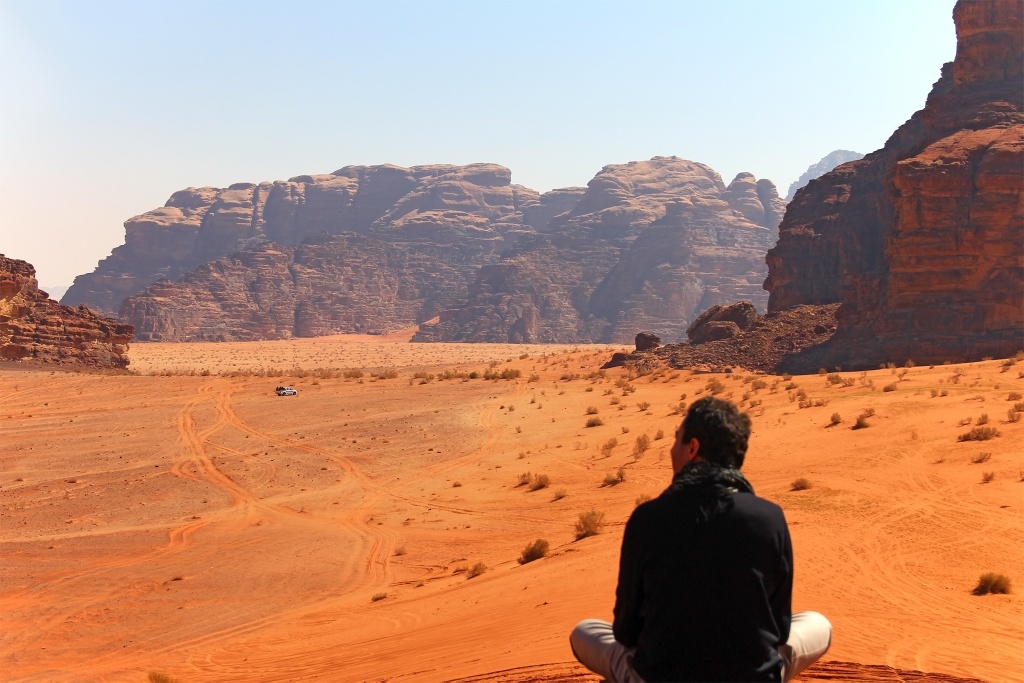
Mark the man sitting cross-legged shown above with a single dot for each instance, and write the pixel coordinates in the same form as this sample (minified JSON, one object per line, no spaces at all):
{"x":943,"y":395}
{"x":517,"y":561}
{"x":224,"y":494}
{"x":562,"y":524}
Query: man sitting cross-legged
{"x":705,"y":575}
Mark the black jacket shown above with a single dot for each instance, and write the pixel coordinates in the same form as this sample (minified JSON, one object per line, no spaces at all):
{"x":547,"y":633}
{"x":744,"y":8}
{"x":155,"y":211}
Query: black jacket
{"x":705,"y":600}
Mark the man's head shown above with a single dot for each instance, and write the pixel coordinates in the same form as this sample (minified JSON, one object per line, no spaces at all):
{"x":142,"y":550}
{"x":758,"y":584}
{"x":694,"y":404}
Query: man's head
{"x":713,"y":430}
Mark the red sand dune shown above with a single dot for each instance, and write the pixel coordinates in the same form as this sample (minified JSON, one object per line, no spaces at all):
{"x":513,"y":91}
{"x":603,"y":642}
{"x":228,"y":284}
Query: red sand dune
{"x":199,"y":526}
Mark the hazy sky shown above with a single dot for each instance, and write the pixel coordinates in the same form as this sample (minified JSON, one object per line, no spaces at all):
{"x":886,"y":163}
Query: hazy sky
{"x":109,"y":107}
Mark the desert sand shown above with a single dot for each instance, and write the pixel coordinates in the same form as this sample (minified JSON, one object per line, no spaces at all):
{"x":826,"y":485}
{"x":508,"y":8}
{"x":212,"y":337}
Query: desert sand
{"x":187,"y":521}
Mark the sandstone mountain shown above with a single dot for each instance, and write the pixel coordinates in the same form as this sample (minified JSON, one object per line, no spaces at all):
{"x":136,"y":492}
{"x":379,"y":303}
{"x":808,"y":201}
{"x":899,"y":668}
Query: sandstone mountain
{"x":922,"y":241}
{"x":648,"y":246}
{"x":371,"y":249}
{"x":35,"y":328}
{"x":827,"y":163}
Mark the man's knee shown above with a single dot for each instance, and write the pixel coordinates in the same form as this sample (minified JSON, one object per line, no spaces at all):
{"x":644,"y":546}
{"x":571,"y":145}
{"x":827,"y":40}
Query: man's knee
{"x":814,"y":628}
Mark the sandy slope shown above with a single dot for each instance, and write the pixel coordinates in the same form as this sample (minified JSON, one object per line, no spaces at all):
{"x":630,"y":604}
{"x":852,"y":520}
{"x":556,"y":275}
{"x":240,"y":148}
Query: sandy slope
{"x":200,"y":526}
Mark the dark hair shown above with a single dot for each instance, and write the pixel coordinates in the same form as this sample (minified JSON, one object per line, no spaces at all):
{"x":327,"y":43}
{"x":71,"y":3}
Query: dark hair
{"x":721,"y":430}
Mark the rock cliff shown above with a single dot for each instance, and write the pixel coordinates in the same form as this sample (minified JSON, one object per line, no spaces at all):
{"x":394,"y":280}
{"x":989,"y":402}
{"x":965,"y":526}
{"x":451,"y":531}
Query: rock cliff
{"x":922,"y":241}
{"x":648,"y":246}
{"x":200,"y":225}
{"x":827,"y":163}
{"x":35,"y":328}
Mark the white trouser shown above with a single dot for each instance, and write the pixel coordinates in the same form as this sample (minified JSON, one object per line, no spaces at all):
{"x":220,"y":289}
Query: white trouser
{"x":594,"y":645}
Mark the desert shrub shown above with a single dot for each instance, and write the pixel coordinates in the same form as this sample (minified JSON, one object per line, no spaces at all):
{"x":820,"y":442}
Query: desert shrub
{"x":534,"y":551}
{"x":156,"y":677}
{"x":889,"y":387}
{"x":621,"y":475}
{"x":934,"y":392}
{"x":352,"y":374}
{"x":456,"y":484}
{"x":944,"y":392}
{"x":836,"y":419}
{"x":609,"y":480}
{"x":589,"y":524}
{"x":476,"y":570}
{"x":758,"y":384}
{"x":965,"y":421}
{"x":559,"y":494}
{"x":990,"y":582}
{"x":868,"y":412}
{"x":861,"y":423}
{"x":986,"y":477}
{"x":679,"y":408}
{"x":608,"y":446}
{"x":377,"y":597}
{"x":643,"y":405}
{"x":715,"y":387}
{"x":614,"y":400}
{"x":982,"y":419}
{"x":979,"y":434}
{"x":625,"y":430}
{"x":399,"y":551}
{"x":591,"y":410}
{"x":1014,"y":396}
{"x":643,"y":442}
{"x":980,"y":458}
{"x":1019,"y":407}
{"x":594,"y":422}
{"x":659,"y":435}
{"x":641,"y":499}
{"x":524,"y":479}
{"x":541,"y":481}
{"x":1012,"y":415}
{"x":800,"y":484}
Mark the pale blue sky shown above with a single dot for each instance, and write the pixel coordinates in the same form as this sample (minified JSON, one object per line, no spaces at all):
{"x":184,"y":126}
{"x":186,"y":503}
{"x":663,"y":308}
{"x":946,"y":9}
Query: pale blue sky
{"x":109,"y":107}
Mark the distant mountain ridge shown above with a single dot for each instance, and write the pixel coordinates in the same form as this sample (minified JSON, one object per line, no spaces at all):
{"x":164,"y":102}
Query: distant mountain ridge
{"x":375,"y":248}
{"x":827,"y":163}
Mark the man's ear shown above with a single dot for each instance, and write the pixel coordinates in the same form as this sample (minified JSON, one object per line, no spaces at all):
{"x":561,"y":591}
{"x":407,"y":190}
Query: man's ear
{"x":692,"y":449}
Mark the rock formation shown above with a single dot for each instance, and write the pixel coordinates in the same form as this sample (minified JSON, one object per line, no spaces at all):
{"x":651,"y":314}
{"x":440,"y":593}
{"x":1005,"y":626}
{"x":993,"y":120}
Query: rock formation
{"x":922,"y":241}
{"x":35,"y":328}
{"x":371,"y":249}
{"x":648,"y":246}
{"x":827,"y":163}
{"x":197,"y":226}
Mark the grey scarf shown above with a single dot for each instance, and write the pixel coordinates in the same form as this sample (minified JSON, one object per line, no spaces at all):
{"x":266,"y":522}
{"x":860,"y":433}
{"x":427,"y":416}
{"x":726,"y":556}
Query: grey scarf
{"x":710,"y":487}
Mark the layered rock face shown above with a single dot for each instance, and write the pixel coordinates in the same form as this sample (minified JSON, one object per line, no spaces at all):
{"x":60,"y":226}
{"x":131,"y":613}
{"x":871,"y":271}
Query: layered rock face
{"x":33,"y":327}
{"x":648,"y":246}
{"x":923,"y":241}
{"x":200,"y":225}
{"x":827,"y":163}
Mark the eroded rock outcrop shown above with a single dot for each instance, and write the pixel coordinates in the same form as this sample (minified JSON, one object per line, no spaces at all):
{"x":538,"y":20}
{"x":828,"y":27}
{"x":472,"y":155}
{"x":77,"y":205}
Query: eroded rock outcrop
{"x":922,"y":241}
{"x":199,"y":225}
{"x":649,"y":245}
{"x":35,"y":328}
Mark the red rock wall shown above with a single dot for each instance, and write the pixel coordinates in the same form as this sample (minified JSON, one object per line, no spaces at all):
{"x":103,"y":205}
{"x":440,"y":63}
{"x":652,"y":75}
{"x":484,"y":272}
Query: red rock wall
{"x":923,"y":241}
{"x":34,"y":328}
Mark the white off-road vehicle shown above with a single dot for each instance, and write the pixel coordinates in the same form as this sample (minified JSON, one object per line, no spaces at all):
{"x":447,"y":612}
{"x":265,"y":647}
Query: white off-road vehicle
{"x":286,"y":391}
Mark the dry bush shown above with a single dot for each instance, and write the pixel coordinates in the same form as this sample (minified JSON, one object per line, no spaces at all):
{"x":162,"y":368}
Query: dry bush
{"x":889,"y":387}
{"x":980,"y":458}
{"x":1019,"y":407}
{"x":589,"y":524}
{"x":534,"y":551}
{"x":643,"y":442}
{"x":643,"y":405}
{"x":476,"y":570}
{"x":934,"y":392}
{"x":625,"y":430}
{"x":659,"y":435}
{"x":715,"y":387}
{"x":559,"y":494}
{"x":156,"y":677}
{"x":982,"y":419}
{"x":836,"y":419}
{"x":986,"y":477}
{"x":861,"y":423}
{"x":399,"y":551}
{"x":1012,"y":415}
{"x":979,"y":434}
{"x":758,"y":384}
{"x":944,"y":392}
{"x":377,"y":597}
{"x":541,"y":481}
{"x":800,"y":484}
{"x":641,"y":499}
{"x":609,"y":480}
{"x":990,"y":582}
{"x":524,"y":479}
{"x":1014,"y":396}
{"x":595,"y":422}
{"x":679,"y":408}
{"x":456,"y":484}
{"x":591,"y":410}
{"x":608,"y":446}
